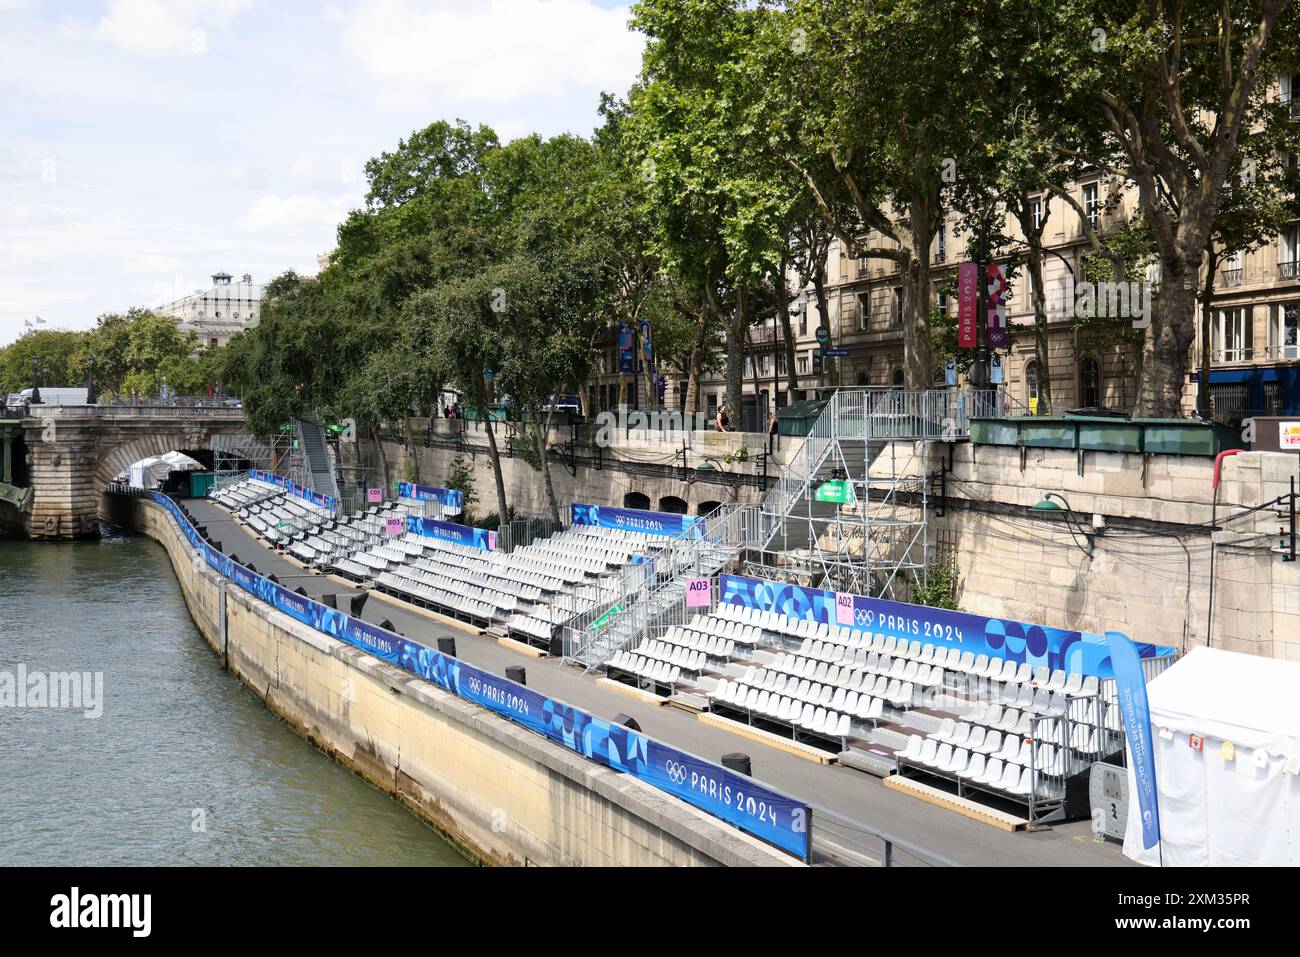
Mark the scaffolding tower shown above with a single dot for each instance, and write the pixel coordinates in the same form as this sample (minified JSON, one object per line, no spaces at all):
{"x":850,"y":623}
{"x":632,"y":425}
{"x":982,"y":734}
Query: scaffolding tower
{"x":851,"y":511}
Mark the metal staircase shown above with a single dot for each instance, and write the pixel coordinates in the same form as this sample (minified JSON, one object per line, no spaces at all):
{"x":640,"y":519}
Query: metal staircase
{"x":318,"y":473}
{"x":874,"y":441}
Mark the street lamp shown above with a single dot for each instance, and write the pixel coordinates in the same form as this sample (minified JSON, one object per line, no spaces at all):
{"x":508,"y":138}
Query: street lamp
{"x":1076,"y":529}
{"x":36,"y":382}
{"x":91,"y":397}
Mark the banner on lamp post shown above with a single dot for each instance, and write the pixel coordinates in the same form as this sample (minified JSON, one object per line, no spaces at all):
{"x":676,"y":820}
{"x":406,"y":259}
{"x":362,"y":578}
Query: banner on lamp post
{"x":997,"y":320}
{"x":967,"y":299}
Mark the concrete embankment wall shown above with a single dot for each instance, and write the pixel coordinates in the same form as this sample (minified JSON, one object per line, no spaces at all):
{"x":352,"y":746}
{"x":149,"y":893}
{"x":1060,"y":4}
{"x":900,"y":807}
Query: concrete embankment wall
{"x":505,"y":795}
{"x":1149,"y":574}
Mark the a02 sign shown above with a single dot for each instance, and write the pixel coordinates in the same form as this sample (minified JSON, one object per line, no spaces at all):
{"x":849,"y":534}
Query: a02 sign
{"x":699,"y":593}
{"x":843,"y":609}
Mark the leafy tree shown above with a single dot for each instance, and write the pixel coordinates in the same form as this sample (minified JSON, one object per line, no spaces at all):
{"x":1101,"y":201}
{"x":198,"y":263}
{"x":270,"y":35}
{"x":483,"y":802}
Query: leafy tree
{"x":1159,"y":97}
{"x":55,"y":350}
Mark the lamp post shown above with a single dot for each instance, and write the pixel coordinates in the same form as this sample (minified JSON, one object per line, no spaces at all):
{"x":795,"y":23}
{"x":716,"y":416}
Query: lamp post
{"x":91,"y":397}
{"x":1049,"y":504}
{"x":36,"y":382}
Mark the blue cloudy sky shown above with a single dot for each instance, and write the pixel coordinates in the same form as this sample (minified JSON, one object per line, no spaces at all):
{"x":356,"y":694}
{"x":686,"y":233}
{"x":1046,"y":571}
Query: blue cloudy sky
{"x":146,"y":144}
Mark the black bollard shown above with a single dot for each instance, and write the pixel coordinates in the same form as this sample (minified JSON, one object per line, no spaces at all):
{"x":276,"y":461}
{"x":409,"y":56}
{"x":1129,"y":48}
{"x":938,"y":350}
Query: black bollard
{"x":251,"y":567}
{"x":627,"y":721}
{"x":300,"y":591}
{"x":359,"y":602}
{"x":214,"y":543}
{"x":329,"y":599}
{"x":272,"y":578}
{"x":447,"y":646}
{"x":387,"y":625}
{"x":737,"y":761}
{"x":516,"y":674}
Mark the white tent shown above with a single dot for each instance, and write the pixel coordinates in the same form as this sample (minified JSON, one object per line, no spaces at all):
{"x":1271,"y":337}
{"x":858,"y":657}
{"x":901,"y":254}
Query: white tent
{"x":153,"y":471}
{"x":1225,"y":731}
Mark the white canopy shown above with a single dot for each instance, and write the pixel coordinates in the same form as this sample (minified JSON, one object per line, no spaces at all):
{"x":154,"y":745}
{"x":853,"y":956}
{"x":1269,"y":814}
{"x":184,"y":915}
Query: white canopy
{"x":1235,"y":799}
{"x":150,"y":472}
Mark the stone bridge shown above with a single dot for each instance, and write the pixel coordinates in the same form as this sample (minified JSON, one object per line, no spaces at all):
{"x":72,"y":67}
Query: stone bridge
{"x":57,"y":461}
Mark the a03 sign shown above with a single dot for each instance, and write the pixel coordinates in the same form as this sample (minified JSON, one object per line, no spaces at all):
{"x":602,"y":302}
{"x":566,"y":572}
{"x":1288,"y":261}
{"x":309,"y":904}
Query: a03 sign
{"x":699,"y":593}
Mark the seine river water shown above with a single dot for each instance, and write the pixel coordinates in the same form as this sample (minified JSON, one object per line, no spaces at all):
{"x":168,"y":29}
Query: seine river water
{"x":184,"y":765}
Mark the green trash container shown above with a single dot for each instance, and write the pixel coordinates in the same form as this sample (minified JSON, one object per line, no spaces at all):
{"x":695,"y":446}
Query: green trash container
{"x":798,"y":417}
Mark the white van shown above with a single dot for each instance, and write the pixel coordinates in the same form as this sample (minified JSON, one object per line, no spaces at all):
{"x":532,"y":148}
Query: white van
{"x":59,"y":396}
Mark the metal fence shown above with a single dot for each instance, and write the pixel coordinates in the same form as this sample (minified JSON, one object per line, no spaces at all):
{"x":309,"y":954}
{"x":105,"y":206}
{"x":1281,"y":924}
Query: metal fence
{"x":631,"y":605}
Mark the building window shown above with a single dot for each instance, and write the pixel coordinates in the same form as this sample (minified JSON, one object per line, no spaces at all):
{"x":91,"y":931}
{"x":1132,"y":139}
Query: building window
{"x":1284,"y":330}
{"x":862,"y":377}
{"x":942,"y":302}
{"x":803,"y":363}
{"x":941,"y":244}
{"x":864,"y":309}
{"x":1092,"y":204}
{"x":1232,"y":271}
{"x":898,"y":305}
{"x":898,"y":378}
{"x":1288,"y":252}
{"x":1232,"y":334}
{"x":1289,"y":90}
{"x":1090,"y":384}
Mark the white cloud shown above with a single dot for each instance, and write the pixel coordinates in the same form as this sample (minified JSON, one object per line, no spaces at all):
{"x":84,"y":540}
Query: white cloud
{"x":293,"y":214}
{"x":471,"y":51}
{"x":165,"y":27}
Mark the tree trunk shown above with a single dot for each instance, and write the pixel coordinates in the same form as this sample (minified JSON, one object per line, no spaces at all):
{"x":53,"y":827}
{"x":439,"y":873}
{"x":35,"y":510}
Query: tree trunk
{"x":1034,"y":265}
{"x":918,"y":350}
{"x":791,"y":377}
{"x":697,"y":364}
{"x":760,"y":423}
{"x":783,"y":314}
{"x":1170,"y":336}
{"x":737,"y":325}
{"x":1207,"y":317}
{"x":823,"y":309}
{"x":495,"y":454}
{"x":541,"y":430}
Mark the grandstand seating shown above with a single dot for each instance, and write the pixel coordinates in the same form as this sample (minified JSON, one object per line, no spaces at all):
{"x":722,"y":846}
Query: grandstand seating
{"x":529,"y":591}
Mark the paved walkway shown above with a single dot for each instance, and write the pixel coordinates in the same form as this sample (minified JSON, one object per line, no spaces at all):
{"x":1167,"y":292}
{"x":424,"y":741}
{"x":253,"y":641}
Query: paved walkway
{"x":850,"y":793}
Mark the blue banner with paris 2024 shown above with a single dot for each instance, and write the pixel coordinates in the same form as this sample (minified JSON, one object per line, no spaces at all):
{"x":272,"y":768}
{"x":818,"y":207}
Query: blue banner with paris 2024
{"x":1131,"y":693}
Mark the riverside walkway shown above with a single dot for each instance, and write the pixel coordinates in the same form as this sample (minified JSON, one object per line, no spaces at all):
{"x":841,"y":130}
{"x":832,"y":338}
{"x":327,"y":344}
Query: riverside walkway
{"x":850,"y":794}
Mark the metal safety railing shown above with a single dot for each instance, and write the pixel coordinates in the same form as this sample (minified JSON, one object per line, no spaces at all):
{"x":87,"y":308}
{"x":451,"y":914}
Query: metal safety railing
{"x":629,"y":609}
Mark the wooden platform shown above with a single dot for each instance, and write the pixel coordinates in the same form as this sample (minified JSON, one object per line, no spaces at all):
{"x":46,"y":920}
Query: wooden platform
{"x":523,"y":647}
{"x":423,"y":612}
{"x":951,"y":802}
{"x":645,"y":697}
{"x":805,"y":751}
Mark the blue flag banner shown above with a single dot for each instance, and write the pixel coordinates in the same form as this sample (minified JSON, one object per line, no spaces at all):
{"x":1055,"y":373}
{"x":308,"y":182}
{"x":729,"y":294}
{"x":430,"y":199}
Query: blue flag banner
{"x":781,"y":821}
{"x":293,"y":488}
{"x":634,"y":519}
{"x":1019,"y":641}
{"x":450,"y":532}
{"x":452,"y":499}
{"x":1131,"y":693}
